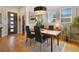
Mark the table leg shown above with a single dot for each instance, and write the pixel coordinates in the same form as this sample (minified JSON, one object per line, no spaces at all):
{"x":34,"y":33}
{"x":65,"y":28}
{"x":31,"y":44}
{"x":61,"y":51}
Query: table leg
{"x":51,"y":45}
{"x":58,"y":40}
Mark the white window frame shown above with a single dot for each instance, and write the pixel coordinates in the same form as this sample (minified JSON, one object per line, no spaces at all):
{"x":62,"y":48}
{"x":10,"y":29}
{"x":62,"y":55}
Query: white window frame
{"x":66,"y":17}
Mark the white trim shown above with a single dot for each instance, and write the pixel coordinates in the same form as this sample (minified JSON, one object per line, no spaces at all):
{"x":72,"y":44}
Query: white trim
{"x":67,"y":17}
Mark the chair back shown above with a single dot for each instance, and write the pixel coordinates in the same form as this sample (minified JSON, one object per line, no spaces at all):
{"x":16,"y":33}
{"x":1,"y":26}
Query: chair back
{"x":51,"y":27}
{"x":37,"y":33}
{"x":28,"y":31}
{"x":42,"y":26}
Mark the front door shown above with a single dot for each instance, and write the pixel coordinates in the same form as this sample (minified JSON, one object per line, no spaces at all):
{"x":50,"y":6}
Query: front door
{"x":12,"y":23}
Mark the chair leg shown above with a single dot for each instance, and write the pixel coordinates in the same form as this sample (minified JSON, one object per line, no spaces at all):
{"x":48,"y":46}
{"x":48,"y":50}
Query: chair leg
{"x":26,"y":39}
{"x":47,"y":43}
{"x":40,"y":47}
{"x":30,"y":42}
{"x":34,"y":43}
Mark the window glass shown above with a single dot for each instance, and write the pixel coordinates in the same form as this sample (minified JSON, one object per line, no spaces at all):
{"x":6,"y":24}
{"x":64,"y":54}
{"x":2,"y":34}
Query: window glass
{"x":52,"y":16}
{"x":11,"y":14}
{"x":11,"y":18}
{"x":65,"y":19}
{"x":11,"y":30}
{"x":11,"y":22}
{"x":66,"y":14}
{"x":12,"y":26}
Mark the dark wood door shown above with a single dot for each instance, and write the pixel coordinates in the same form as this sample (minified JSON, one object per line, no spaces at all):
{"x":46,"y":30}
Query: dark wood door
{"x":23,"y":25}
{"x":12,"y":23}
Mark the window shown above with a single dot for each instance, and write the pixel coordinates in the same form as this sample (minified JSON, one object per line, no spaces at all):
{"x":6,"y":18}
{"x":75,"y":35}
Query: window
{"x":52,"y":16}
{"x":12,"y":15}
{"x":11,"y":30}
{"x":11,"y":22}
{"x":66,"y":14}
{"x":11,"y":26}
{"x":11,"y":18}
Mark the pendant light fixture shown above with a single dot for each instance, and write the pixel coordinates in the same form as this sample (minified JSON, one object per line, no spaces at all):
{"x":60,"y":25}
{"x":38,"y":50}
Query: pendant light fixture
{"x":39,"y":10}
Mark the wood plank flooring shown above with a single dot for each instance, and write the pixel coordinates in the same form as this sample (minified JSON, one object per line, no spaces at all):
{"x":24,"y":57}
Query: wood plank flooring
{"x":71,"y":47}
{"x":7,"y":44}
{"x":15,"y":45}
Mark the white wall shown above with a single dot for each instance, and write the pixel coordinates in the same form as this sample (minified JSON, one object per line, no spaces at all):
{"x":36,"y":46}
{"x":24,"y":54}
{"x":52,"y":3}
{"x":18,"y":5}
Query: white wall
{"x":22,"y":12}
{"x":5,"y":20}
{"x":28,"y":9}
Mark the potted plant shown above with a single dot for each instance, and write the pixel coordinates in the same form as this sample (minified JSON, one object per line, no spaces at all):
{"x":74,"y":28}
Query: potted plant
{"x":66,"y":33}
{"x":75,"y":25}
{"x":75,"y":22}
{"x":38,"y":21}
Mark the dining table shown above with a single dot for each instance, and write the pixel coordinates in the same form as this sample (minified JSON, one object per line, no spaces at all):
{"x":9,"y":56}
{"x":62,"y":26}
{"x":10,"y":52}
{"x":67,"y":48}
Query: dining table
{"x":52,"y":34}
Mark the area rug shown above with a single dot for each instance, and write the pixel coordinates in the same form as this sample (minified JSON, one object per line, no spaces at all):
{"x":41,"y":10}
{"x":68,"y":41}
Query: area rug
{"x":35,"y":47}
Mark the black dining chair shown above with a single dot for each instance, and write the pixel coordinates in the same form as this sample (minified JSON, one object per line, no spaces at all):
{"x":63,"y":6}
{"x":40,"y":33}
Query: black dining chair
{"x":51,"y":27}
{"x":29,"y":34}
{"x":42,"y":26}
{"x":39,"y":37}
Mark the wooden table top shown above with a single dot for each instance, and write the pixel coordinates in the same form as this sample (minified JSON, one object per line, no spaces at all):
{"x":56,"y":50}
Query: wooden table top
{"x":50,"y":32}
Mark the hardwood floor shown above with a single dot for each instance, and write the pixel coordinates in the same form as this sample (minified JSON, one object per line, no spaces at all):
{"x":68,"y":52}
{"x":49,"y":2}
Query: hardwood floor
{"x":14,"y":43}
{"x":71,"y":47}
